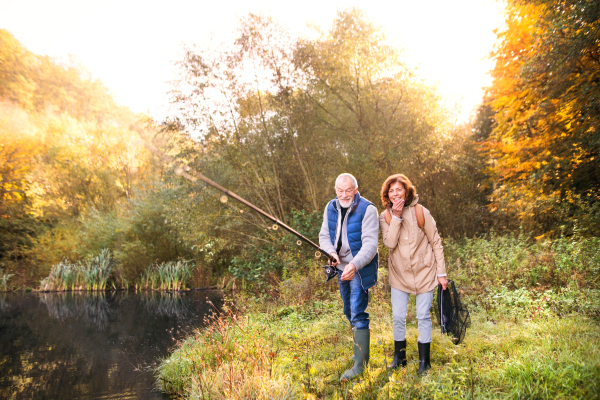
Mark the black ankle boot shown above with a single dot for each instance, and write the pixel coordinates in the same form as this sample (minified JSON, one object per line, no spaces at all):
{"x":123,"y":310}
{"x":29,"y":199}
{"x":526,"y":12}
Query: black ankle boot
{"x":399,"y":354}
{"x":424,"y":363}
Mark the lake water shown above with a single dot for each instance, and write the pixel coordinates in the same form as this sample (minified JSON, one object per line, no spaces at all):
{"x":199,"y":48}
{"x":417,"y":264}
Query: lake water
{"x":91,"y":346}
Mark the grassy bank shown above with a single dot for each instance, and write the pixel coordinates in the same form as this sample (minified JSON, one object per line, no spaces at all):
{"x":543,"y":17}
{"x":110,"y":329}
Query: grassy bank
{"x":530,"y":338}
{"x":300,"y":352}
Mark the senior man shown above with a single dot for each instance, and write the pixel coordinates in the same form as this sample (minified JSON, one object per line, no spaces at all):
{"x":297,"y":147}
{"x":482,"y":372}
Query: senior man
{"x":350,"y":233}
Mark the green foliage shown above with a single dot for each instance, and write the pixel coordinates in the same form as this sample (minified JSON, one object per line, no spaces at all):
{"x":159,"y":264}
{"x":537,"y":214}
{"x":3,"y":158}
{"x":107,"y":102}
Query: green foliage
{"x":149,"y":279}
{"x":278,"y":251}
{"x":523,"y":303}
{"x":528,"y":339}
{"x":278,"y":119}
{"x":543,"y":358}
{"x":517,"y":262}
{"x":66,"y":148}
{"x":97,"y":270}
{"x":15,"y":236}
{"x":63,"y":276}
{"x":227,"y":348}
{"x":512,"y":350}
{"x":139,"y":233}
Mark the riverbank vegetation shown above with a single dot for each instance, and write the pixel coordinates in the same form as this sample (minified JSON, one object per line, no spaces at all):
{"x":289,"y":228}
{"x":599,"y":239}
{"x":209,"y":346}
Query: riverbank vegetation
{"x":275,"y":119}
{"x":533,"y":334}
{"x":172,"y":275}
{"x":502,"y":358}
{"x":91,"y":274}
{"x":97,"y":272}
{"x":4,"y":278}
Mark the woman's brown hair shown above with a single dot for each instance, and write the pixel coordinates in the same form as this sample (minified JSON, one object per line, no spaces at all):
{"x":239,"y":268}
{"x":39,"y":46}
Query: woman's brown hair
{"x":408,"y":187}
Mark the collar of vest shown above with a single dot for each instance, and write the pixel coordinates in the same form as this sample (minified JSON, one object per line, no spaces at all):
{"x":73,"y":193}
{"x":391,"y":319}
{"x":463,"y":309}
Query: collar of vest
{"x":354,"y":205}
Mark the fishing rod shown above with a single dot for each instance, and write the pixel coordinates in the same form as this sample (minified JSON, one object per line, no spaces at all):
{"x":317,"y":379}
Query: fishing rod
{"x":188,"y":173}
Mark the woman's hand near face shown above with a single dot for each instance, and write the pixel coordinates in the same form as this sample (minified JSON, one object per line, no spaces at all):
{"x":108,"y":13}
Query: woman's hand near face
{"x":397,"y":195}
{"x":398,"y":207}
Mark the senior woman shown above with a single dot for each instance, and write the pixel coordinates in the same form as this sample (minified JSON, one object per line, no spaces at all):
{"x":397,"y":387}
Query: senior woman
{"x":416,"y":263}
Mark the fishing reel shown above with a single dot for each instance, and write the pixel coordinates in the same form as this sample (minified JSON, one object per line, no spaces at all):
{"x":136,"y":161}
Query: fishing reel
{"x":330,"y":271}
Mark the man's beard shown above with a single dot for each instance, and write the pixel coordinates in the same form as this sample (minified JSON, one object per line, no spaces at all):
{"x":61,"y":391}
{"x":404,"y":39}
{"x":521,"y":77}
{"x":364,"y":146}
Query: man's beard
{"x":346,"y":203}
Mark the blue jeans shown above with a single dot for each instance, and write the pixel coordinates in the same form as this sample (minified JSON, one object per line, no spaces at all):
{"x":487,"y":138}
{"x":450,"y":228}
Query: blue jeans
{"x":355,"y":300}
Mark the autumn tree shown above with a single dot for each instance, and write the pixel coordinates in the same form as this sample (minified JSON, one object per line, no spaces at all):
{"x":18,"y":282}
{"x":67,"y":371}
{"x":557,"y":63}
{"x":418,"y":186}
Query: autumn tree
{"x":382,"y":118}
{"x":66,"y":149}
{"x":545,"y":96}
{"x":277,"y":119}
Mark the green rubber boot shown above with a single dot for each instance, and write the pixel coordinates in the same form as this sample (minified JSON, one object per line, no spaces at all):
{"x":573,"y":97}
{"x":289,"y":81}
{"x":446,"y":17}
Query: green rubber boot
{"x":362,"y":348}
{"x":352,"y":331}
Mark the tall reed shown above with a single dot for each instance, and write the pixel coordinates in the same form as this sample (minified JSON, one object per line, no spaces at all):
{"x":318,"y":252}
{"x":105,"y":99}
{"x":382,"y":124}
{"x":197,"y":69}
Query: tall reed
{"x":61,"y":275}
{"x":170,"y":275}
{"x":97,"y":270}
{"x":91,"y":274}
{"x":4,"y":278}
{"x":148,"y":279}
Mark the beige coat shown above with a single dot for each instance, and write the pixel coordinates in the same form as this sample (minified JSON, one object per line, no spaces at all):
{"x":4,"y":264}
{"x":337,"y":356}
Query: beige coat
{"x":416,"y":257}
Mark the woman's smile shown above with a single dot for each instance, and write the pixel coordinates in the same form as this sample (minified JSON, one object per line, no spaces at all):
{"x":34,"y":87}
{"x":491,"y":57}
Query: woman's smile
{"x":396,"y":192}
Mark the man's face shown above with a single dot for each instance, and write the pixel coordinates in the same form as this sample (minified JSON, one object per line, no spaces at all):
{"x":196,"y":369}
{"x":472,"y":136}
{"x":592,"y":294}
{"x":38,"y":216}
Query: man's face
{"x":345,"y":192}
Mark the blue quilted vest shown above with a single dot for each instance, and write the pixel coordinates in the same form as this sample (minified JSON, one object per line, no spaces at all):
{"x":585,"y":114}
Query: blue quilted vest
{"x":368,"y":273}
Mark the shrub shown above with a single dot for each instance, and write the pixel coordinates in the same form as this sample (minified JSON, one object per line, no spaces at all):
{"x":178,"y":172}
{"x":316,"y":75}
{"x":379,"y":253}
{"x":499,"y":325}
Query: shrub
{"x":516,"y":261}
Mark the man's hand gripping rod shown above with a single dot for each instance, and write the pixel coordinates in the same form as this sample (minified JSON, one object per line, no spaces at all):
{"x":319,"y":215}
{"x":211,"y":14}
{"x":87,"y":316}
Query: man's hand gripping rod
{"x":193,"y":176}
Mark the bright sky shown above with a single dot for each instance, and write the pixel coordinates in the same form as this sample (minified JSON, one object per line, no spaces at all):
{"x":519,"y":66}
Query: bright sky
{"x":131,"y":44}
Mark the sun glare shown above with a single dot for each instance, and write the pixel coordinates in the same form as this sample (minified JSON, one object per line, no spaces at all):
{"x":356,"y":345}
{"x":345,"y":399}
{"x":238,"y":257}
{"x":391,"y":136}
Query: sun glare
{"x":131,"y":46}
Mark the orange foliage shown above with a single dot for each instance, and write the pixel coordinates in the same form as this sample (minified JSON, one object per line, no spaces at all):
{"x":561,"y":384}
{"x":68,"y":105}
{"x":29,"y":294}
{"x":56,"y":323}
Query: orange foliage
{"x":544,"y":146}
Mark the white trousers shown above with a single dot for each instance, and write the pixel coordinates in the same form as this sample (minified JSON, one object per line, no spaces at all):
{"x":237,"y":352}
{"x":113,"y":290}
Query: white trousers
{"x":399,"y":308}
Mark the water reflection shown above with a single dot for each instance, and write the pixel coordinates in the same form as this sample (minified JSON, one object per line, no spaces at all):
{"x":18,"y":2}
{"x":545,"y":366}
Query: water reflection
{"x":172,"y":304}
{"x":3,"y":304}
{"x":92,"y":308}
{"x":94,"y":345}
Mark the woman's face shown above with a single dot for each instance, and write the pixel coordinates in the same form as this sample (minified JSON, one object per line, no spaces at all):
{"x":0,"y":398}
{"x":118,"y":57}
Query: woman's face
{"x":396,"y":192}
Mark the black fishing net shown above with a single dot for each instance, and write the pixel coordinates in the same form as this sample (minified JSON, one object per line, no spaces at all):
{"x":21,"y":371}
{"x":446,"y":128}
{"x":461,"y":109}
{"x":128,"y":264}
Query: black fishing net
{"x":452,"y":315}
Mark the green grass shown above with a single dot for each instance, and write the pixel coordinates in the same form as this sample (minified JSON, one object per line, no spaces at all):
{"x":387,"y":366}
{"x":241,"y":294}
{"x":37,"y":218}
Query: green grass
{"x":299,"y":346}
{"x":535,"y":309}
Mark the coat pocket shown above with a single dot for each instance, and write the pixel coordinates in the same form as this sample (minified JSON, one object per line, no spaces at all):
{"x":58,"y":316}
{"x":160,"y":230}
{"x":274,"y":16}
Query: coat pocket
{"x":429,"y":257}
{"x":424,"y":261}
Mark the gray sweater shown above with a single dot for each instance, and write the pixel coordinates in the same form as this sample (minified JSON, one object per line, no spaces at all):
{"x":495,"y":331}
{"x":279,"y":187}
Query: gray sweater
{"x":370,"y":238}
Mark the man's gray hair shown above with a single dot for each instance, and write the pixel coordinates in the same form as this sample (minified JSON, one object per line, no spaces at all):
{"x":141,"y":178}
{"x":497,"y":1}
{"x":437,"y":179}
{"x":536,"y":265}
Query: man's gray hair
{"x":345,"y":176}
